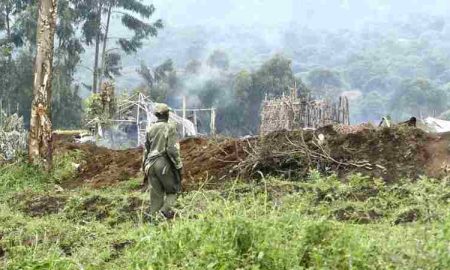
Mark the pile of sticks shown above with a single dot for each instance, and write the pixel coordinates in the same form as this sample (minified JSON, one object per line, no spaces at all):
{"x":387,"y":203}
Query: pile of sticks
{"x":291,"y":157}
{"x":291,"y":113}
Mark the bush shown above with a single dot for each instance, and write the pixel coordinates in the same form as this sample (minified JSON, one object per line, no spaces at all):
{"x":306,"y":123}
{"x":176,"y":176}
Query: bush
{"x":17,"y":177}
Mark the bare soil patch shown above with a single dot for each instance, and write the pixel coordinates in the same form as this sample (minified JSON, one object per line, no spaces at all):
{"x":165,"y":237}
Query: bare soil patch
{"x":387,"y":153}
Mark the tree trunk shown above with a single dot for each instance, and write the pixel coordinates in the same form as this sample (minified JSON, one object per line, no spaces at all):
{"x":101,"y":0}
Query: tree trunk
{"x":8,"y":28}
{"x":40,"y":137}
{"x":104,"y":45}
{"x":97,"y":49}
{"x":8,"y":31}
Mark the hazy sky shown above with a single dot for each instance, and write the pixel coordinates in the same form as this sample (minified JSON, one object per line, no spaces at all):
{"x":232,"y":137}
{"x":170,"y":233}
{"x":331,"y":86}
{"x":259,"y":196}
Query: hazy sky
{"x":313,"y":13}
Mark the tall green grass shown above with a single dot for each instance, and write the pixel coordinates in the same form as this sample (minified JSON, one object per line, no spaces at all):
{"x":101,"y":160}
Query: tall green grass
{"x":21,"y":175}
{"x":317,"y":223}
{"x":16,"y":177}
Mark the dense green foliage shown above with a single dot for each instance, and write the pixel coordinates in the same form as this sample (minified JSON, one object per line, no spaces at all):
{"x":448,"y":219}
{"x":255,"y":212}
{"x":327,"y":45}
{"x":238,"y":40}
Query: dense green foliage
{"x":398,"y":67}
{"x":18,"y":47}
{"x":237,"y":97}
{"x":400,"y":72}
{"x":317,"y":223}
{"x":17,"y":62}
{"x":94,"y":17}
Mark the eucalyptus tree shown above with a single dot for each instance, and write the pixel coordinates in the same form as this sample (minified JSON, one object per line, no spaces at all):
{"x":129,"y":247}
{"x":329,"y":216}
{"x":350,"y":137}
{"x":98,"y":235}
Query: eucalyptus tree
{"x":95,"y":18}
{"x":66,"y":104}
{"x":219,"y":59}
{"x":161,"y":81}
{"x":40,"y":136}
{"x":10,"y":12}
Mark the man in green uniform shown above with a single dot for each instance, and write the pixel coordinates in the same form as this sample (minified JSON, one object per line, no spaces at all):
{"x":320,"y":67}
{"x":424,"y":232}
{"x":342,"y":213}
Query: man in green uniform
{"x":162,"y":163}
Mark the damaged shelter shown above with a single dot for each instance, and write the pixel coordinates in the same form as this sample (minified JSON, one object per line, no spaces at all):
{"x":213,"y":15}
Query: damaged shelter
{"x":122,"y":122}
{"x":293,"y":112}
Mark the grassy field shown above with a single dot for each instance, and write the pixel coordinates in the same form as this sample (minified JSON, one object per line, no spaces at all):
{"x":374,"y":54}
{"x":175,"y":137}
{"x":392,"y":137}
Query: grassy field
{"x":315,"y":223}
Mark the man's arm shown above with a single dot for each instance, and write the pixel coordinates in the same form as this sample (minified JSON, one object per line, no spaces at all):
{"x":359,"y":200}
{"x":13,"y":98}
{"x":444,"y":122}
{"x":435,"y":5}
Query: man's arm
{"x":173,"y":148}
{"x":144,"y":159}
{"x":146,"y":148}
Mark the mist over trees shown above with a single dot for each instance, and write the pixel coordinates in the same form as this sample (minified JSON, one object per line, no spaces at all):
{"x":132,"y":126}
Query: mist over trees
{"x":401,"y":72}
{"x":387,"y":64}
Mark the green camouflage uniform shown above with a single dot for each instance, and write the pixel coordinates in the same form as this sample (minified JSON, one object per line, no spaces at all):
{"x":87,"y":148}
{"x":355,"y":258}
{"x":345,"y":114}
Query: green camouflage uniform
{"x":162,"y":165}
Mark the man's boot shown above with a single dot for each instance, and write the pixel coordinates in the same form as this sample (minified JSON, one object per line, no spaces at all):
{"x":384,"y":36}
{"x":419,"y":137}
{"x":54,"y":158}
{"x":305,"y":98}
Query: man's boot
{"x":168,"y":214}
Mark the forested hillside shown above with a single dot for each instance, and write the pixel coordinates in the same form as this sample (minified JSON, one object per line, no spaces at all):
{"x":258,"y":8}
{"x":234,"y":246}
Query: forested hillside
{"x":402,"y":72}
{"x":386,"y":64}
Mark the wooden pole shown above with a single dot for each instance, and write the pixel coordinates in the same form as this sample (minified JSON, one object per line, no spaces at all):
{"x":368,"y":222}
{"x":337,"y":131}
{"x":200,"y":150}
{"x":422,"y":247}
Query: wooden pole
{"x":347,"y":108}
{"x":195,"y":121}
{"x":184,"y":115}
{"x":213,"y":121}
{"x":137,"y":125}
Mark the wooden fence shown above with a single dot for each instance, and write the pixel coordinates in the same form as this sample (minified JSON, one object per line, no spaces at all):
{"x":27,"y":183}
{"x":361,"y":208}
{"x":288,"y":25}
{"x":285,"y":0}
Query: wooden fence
{"x":290,"y":113}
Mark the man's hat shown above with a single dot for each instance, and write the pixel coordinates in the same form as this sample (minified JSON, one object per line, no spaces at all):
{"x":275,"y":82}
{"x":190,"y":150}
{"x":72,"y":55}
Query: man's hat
{"x":161,"y":108}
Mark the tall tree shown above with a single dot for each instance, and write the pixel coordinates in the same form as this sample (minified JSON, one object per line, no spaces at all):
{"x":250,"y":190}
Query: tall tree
{"x":95,"y":16}
{"x":325,"y":83}
{"x":10,"y":10}
{"x":39,"y":148}
{"x":418,"y":97}
{"x":273,"y":78}
{"x":16,"y":74}
{"x":11,"y":13}
{"x":161,"y":81}
{"x":219,"y":59}
{"x":66,"y":104}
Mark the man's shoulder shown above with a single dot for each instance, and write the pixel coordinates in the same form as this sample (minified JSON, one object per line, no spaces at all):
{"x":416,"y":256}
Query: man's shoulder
{"x":153,"y":127}
{"x":161,"y":126}
{"x":172,"y":125}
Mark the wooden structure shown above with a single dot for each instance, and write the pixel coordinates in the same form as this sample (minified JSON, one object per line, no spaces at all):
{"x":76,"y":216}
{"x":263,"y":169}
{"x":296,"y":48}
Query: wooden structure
{"x":291,"y":112}
{"x":184,"y":111}
{"x":138,"y":111}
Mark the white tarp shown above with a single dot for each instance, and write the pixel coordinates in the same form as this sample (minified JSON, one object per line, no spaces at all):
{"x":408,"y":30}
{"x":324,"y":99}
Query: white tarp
{"x":437,"y":125}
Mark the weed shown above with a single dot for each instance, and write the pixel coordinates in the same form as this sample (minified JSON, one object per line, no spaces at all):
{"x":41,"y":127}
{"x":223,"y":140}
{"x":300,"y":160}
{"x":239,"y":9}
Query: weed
{"x":318,"y":223}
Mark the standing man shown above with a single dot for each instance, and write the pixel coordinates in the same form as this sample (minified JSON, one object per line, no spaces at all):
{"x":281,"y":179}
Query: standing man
{"x":162,"y":163}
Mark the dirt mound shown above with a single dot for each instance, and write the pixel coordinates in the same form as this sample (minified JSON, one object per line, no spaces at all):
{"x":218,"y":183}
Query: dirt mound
{"x":388,"y":153}
{"x":101,"y":166}
{"x":211,"y":160}
{"x":438,"y":150}
{"x":203,"y":159}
